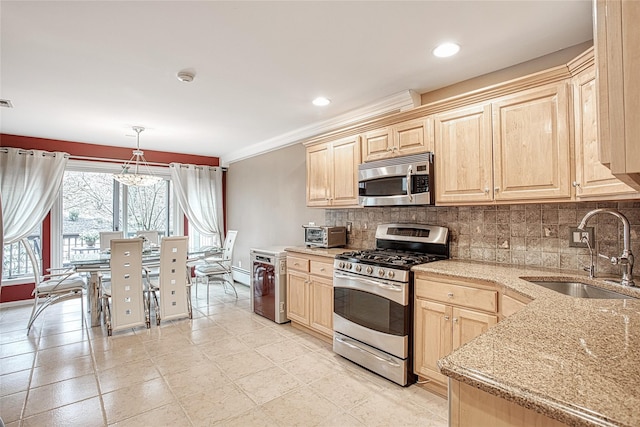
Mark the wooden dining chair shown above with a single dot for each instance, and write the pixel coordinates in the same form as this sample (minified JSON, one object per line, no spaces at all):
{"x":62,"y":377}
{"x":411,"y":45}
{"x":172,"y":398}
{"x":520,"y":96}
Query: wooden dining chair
{"x":56,"y":286}
{"x":124,"y":300}
{"x":173,"y":284}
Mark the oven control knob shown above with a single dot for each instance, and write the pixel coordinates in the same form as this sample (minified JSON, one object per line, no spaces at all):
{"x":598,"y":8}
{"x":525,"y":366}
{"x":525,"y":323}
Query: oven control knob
{"x":341,"y":264}
{"x":348,"y":266}
{"x":390,"y":274}
{"x":381,"y":273}
{"x":358,"y":268}
{"x":369,"y":270}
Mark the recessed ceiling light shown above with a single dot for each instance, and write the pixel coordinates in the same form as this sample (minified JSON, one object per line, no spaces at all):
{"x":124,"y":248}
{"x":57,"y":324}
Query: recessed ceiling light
{"x":446,"y":49}
{"x":321,"y":101}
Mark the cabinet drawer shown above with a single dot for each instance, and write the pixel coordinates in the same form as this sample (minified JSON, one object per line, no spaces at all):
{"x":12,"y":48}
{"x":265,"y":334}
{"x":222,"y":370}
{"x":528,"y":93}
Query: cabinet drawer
{"x":296,"y":263}
{"x":322,"y":268}
{"x":481,"y":299}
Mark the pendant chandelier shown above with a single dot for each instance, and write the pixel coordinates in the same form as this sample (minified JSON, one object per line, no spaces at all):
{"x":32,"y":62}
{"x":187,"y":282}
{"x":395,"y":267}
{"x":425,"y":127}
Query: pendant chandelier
{"x":141,"y":175}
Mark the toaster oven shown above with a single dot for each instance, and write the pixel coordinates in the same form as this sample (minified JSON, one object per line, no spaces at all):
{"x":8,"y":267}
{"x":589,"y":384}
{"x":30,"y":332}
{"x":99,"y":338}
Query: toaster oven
{"x":322,"y":236}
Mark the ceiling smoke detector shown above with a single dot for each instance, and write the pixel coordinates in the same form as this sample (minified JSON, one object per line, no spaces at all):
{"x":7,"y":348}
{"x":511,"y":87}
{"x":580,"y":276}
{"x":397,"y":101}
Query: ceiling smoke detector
{"x":185,"y":76}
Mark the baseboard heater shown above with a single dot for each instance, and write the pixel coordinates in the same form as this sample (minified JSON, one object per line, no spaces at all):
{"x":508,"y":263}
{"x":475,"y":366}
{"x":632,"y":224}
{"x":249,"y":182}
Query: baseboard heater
{"x":241,"y":275}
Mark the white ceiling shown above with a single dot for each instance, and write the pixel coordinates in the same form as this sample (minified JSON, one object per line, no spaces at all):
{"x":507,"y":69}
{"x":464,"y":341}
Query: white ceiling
{"x":87,"y":71}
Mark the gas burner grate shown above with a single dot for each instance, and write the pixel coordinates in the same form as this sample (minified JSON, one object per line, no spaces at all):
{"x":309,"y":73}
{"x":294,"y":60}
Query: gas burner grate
{"x":390,"y":257}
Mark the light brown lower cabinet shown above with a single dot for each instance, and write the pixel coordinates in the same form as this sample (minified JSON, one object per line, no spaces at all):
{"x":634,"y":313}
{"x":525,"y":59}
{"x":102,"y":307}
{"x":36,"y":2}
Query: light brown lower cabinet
{"x":321,"y":305}
{"x":310,"y":293}
{"x":298,"y":297}
{"x":455,"y":314}
{"x":472,"y":407}
{"x":510,"y":305}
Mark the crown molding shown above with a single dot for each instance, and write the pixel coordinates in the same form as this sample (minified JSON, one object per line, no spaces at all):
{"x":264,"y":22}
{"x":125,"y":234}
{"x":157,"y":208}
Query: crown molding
{"x":401,"y":101}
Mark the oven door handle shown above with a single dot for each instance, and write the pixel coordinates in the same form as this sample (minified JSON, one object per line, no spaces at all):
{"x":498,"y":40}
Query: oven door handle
{"x":389,"y":361}
{"x":395,"y":288}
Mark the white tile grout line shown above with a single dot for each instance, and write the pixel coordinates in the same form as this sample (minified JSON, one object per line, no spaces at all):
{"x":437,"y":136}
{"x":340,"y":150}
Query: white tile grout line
{"x":95,"y":370}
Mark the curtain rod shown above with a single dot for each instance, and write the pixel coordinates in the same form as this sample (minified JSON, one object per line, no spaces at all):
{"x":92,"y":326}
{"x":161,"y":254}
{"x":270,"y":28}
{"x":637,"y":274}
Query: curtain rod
{"x":182,"y":165}
{"x":33,"y":152}
{"x":108,"y":160}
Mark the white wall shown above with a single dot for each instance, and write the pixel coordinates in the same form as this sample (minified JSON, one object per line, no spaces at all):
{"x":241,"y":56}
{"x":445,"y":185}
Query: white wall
{"x":266,"y":201}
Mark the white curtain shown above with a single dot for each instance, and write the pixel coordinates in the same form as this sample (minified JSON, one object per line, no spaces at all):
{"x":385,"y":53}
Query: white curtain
{"x":29,"y":184}
{"x":199,"y":192}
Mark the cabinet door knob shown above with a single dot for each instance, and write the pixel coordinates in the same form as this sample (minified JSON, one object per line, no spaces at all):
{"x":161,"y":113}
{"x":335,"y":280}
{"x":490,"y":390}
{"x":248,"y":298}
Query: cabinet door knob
{"x":486,"y":190}
{"x":446,"y":317}
{"x":496,"y":189}
{"x":455,"y":319}
{"x":450,"y":294}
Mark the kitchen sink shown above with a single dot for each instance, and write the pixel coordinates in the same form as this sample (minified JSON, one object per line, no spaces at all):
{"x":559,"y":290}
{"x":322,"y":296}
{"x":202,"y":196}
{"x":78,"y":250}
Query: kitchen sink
{"x":578,"y":289}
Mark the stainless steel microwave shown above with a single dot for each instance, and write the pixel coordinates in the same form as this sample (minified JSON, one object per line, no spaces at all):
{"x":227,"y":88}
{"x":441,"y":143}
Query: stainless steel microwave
{"x":400,"y":181}
{"x":322,"y":236}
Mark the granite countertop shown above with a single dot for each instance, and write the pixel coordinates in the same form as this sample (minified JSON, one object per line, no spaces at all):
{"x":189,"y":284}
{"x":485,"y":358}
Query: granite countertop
{"x":576,"y":360}
{"x":325,"y":252}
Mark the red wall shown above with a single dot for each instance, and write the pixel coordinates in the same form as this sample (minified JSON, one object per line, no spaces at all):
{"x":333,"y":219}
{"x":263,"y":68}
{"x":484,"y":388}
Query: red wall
{"x":93,"y":150}
{"x":21,"y":292}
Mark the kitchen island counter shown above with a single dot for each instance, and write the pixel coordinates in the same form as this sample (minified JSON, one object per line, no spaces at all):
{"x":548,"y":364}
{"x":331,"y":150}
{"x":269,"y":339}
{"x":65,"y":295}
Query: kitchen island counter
{"x":572,"y":359}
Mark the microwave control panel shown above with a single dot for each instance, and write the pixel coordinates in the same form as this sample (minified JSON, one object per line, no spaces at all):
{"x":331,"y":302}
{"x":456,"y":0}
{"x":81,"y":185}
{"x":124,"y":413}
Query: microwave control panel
{"x":420,"y":184}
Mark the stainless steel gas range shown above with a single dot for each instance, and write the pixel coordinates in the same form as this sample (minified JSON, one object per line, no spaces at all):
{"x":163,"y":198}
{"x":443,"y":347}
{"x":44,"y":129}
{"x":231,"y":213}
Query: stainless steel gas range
{"x":373,"y":298}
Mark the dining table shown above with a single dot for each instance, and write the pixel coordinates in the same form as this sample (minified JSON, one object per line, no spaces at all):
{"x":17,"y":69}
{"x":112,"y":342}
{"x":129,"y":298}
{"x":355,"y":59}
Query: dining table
{"x":95,"y":264}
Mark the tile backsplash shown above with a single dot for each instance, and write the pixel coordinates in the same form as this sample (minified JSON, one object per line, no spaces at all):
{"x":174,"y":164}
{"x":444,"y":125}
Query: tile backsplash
{"x":525,"y":234}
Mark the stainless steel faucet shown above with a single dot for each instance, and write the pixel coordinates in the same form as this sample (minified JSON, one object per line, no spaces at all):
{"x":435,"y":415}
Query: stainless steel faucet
{"x":592,"y":264}
{"x":626,"y":259}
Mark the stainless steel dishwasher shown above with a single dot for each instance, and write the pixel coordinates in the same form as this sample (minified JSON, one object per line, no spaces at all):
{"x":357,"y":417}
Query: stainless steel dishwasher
{"x":269,"y":283}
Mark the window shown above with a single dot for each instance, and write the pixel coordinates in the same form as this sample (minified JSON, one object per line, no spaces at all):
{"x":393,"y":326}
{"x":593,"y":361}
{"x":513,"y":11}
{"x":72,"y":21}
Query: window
{"x":149,"y":208}
{"x":92,"y":201}
{"x":16,"y":266}
{"x":87,"y":209}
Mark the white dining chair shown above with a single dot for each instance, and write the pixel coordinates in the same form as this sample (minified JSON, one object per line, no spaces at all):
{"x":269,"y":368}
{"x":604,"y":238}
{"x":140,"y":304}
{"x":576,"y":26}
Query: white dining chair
{"x":151,"y":236}
{"x":106,"y":237}
{"x":56,"y":286}
{"x":173,"y":283}
{"x":124,"y":300}
{"x":218,"y":269}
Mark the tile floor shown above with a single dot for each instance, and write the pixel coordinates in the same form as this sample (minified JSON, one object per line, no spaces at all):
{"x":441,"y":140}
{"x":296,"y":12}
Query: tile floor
{"x":227,"y":367}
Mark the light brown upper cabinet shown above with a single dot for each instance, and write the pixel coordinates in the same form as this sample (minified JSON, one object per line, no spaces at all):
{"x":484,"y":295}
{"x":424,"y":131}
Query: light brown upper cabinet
{"x":593,"y":179}
{"x":616,"y":34}
{"x":513,"y":148}
{"x":531,"y":144}
{"x":332,"y":173}
{"x":402,"y":139}
{"x":463,"y":155}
